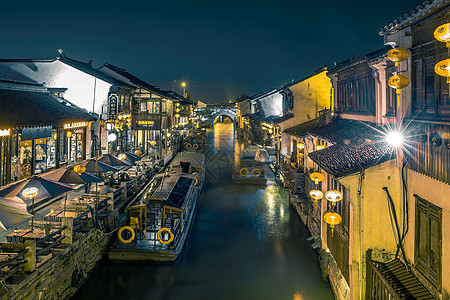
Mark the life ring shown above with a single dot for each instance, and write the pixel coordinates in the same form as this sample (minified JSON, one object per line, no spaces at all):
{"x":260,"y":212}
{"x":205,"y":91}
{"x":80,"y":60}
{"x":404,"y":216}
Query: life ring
{"x":256,"y":172}
{"x":243,"y":172}
{"x":188,"y":145}
{"x":170,"y":236}
{"x":126,"y":228}
{"x":197,"y":179}
{"x":195,"y":146}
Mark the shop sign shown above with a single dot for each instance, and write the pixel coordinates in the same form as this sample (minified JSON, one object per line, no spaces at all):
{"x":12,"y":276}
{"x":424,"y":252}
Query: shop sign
{"x":112,"y":107}
{"x":151,"y":122}
{"x":75,"y":125}
{"x":5,"y":132}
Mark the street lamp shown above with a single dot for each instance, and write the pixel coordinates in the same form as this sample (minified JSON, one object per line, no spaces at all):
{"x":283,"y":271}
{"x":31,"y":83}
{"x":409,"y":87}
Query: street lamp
{"x":30,"y":193}
{"x":183,"y":84}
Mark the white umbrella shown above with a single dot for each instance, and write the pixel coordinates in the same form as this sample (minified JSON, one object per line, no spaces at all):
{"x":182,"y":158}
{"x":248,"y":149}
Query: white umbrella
{"x":12,"y":212}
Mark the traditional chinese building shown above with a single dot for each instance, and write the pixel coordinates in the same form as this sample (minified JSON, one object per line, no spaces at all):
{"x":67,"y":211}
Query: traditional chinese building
{"x":34,"y":124}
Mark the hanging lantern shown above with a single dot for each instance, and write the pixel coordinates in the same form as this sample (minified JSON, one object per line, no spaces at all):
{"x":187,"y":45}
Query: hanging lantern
{"x":398,"y":82}
{"x":333,"y":196}
{"x":30,"y":192}
{"x":316,"y":195}
{"x":442,"y":68}
{"x":397,"y":55}
{"x":122,"y":156}
{"x":442,"y":34}
{"x":300,"y":146}
{"x":138,"y":152}
{"x":79,"y":169}
{"x":316,"y":177}
{"x":332,"y":219}
{"x":177,"y":116}
{"x":320,"y":147}
{"x":300,"y":155}
{"x":69,"y":134}
{"x":55,"y":135}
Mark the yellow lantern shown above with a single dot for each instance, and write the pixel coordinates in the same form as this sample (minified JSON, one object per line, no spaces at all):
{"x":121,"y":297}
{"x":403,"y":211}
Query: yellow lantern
{"x":122,"y":156}
{"x":333,"y":196}
{"x":320,"y":147}
{"x":316,"y":177}
{"x":442,"y":34}
{"x":442,"y":68}
{"x":153,"y":143}
{"x":177,"y":116}
{"x":332,"y":219}
{"x":398,"y":82}
{"x":138,"y":152}
{"x":316,"y":195}
{"x":300,"y":146}
{"x":398,"y":54}
{"x":30,"y":192}
{"x":300,"y":155}
{"x":79,"y":169}
{"x":69,"y":134}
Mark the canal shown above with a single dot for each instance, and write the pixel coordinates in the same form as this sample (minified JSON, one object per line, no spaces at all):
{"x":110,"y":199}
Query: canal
{"x":247,"y":243}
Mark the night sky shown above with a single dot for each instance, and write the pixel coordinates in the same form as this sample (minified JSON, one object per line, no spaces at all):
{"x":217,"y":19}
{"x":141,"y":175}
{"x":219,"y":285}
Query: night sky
{"x":223,"y":49}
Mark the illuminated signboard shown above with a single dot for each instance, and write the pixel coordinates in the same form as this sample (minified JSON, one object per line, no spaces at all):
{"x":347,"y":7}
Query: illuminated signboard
{"x":75,"y":125}
{"x":5,"y":132}
{"x":112,"y":107}
{"x":148,"y":123}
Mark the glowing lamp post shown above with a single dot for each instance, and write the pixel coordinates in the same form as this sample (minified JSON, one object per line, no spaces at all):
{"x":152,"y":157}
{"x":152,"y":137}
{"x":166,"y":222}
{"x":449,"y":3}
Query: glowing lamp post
{"x":394,"y":138}
{"x":333,"y":196}
{"x":316,"y":177}
{"x":316,"y":195}
{"x":183,"y":84}
{"x":442,"y":34}
{"x":79,"y":169}
{"x":30,"y":193}
{"x":332,"y":219}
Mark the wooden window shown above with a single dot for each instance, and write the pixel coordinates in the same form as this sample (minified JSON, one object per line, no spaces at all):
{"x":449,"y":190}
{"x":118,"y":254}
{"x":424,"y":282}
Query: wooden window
{"x":430,"y":91}
{"x":428,"y":241}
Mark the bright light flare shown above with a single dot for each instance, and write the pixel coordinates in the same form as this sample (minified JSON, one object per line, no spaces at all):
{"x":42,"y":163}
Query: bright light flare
{"x":395,"y":139}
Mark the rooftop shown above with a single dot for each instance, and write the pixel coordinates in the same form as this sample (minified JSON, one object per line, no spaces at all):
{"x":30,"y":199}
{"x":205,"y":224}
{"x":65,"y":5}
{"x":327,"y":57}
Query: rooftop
{"x":343,"y":160}
{"x":422,"y":11}
{"x":33,"y":108}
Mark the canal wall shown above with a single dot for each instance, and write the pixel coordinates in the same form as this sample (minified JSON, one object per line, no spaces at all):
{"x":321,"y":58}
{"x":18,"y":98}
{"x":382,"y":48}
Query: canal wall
{"x":310,"y":217}
{"x":62,"y":271}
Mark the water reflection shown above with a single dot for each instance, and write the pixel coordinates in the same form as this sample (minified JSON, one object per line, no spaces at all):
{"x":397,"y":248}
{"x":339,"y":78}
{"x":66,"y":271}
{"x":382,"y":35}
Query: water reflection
{"x":246,"y":243}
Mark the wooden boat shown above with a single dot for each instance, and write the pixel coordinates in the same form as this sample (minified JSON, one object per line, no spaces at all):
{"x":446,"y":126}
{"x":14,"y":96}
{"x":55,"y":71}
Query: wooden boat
{"x":249,"y":170}
{"x":158,"y":221}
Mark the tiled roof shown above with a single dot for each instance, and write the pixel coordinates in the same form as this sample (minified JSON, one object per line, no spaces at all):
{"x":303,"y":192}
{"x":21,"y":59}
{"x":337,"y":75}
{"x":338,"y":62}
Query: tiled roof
{"x":283,"y":118}
{"x":26,"y":108}
{"x":139,"y":82}
{"x":88,"y":69}
{"x":345,"y":132}
{"x":343,"y":160}
{"x":304,"y":128}
{"x":369,"y":57}
{"x":421,"y":12}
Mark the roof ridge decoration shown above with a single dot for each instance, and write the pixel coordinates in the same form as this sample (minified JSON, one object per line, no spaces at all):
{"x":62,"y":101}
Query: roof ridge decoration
{"x":421,"y":11}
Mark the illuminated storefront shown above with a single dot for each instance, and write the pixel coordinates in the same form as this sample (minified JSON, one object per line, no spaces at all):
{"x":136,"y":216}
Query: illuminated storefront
{"x":38,"y":131}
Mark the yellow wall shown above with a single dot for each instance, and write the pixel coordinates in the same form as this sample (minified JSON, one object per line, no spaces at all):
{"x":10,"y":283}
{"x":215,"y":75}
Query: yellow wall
{"x":307,"y":93}
{"x":438,"y":193}
{"x":377,"y":232}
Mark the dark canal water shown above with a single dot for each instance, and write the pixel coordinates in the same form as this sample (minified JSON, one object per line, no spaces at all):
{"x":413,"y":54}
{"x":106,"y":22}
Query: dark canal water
{"x":246,"y":243}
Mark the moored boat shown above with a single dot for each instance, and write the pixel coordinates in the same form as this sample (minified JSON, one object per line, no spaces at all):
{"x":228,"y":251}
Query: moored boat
{"x":158,"y":221}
